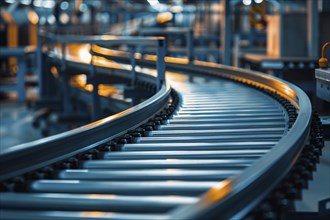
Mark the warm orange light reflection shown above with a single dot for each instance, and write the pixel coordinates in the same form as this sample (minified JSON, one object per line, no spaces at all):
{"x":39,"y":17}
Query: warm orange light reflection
{"x":89,"y":87}
{"x":171,"y":170}
{"x":80,"y":53}
{"x":107,"y":37}
{"x":95,"y":214}
{"x":276,"y":86}
{"x":171,"y":159}
{"x":33,"y":17}
{"x":102,"y":50}
{"x":54,"y":71}
{"x":217,"y":192}
{"x":106,"y":196}
{"x":107,"y":90}
{"x":80,"y":81}
{"x":6,"y":16}
{"x":164,"y":17}
{"x":84,"y":53}
{"x":111,"y":52}
{"x":176,"y":60}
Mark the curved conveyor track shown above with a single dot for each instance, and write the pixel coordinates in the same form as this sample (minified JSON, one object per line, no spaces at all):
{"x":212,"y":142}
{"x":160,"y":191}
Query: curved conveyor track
{"x":220,"y":129}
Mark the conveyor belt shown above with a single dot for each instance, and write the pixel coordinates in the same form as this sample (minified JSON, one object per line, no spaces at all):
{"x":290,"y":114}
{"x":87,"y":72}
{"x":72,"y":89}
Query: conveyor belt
{"x":232,"y":139}
{"x":219,"y":129}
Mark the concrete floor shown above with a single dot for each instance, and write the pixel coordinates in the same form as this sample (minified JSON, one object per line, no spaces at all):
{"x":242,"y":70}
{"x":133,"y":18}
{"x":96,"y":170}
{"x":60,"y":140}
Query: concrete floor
{"x":16,"y":128}
{"x":16,"y":125}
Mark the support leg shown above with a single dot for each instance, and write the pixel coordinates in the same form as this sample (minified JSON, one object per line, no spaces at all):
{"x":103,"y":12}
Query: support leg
{"x":21,"y":79}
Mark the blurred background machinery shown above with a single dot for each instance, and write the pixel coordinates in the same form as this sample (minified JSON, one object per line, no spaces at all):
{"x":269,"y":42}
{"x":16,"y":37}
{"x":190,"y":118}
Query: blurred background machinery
{"x":279,"y":37}
{"x":283,"y":38}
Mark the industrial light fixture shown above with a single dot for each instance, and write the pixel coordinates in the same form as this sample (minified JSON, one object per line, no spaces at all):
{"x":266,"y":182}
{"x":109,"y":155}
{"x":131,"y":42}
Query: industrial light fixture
{"x":153,"y":2}
{"x":51,"y":19}
{"x":64,"y":5}
{"x":48,"y":4}
{"x":156,"y":5}
{"x":249,"y":2}
{"x":26,"y":2}
{"x":83,"y":7}
{"x":37,"y":3}
{"x":64,"y":18}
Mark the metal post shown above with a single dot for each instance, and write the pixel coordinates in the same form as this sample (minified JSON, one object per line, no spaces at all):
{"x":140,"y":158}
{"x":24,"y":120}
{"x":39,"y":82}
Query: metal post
{"x":39,"y":66}
{"x":236,"y":50}
{"x":281,"y":35}
{"x":66,"y":95}
{"x":21,"y":78}
{"x":208,"y":17}
{"x":312,"y":28}
{"x":63,"y":60}
{"x":190,"y":44}
{"x":161,"y":65}
{"x":95,"y":93}
{"x":133,"y":64}
{"x":66,"y":83}
{"x":125,"y":19}
{"x":226,"y":33}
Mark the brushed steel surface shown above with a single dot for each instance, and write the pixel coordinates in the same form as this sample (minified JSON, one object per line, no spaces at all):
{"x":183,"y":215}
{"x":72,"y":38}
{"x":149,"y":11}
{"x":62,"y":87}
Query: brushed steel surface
{"x":169,"y":164}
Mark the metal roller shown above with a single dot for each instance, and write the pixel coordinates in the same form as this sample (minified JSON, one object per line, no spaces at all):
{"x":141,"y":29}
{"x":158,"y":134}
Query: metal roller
{"x":219,"y":130}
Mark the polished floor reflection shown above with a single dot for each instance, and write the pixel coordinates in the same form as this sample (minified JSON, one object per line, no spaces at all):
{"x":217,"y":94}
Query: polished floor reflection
{"x":16,"y":124}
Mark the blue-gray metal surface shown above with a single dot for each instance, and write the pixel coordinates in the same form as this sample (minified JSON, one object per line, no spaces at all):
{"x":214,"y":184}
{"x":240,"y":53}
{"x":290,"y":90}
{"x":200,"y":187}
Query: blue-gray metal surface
{"x":253,"y":168}
{"x":21,"y":53}
{"x":45,"y":151}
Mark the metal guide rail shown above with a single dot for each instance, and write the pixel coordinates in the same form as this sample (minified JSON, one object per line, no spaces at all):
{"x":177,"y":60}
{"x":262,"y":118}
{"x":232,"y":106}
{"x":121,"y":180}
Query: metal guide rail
{"x":57,"y":47}
{"x":220,"y":146}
